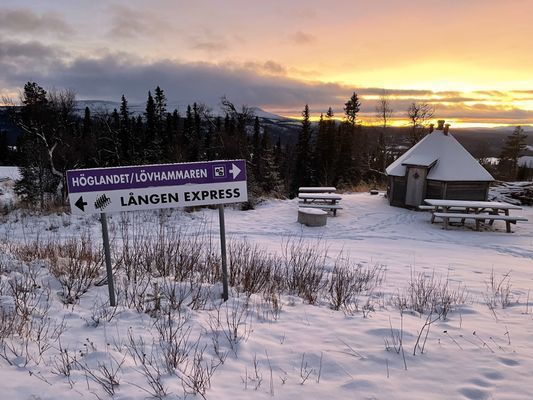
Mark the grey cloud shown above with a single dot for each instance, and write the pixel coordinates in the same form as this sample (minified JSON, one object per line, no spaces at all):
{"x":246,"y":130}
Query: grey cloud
{"x":16,"y":57}
{"x":208,"y":41}
{"x":302,"y":38}
{"x":209,"y":46}
{"x":268,"y":67}
{"x":458,"y":99}
{"x":413,"y":93}
{"x":128,"y":23}
{"x":26,"y":21}
{"x":33,"y":49}
{"x":106,"y":78}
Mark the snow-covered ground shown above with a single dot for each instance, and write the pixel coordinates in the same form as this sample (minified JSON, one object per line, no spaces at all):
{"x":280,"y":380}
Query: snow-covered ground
{"x":296,"y":350}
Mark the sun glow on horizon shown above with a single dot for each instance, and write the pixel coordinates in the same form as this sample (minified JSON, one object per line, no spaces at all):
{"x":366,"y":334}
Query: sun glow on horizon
{"x":370,"y":121}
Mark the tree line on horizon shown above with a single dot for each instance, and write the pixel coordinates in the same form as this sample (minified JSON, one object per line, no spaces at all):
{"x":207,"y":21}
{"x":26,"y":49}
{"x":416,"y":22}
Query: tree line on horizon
{"x":55,"y":138}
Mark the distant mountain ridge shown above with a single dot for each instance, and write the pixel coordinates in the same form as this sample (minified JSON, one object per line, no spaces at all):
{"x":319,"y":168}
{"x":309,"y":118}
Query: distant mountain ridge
{"x":96,"y":106}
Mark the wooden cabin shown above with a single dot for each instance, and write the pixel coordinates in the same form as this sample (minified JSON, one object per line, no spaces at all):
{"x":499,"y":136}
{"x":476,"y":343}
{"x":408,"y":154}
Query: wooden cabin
{"x":437,"y":167}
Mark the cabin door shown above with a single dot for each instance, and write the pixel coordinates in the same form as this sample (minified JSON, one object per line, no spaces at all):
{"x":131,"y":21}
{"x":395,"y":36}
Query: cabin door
{"x":416,"y":182}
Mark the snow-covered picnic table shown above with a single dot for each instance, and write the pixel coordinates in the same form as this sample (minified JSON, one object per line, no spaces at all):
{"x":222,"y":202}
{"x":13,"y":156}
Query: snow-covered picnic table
{"x":323,"y":201}
{"x":479,"y":211}
{"x":317,"y":189}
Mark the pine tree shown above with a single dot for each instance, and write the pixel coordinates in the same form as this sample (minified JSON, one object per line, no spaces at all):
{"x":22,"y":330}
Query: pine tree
{"x":86,"y":146}
{"x":303,"y":173}
{"x":326,"y":149}
{"x":353,"y":138}
{"x":351,"y":108}
{"x":270,"y":177}
{"x":256,"y":149}
{"x":152,"y":139}
{"x":35,"y":176}
{"x":199,"y":138}
{"x":87,"y":124}
{"x":160,"y":105}
{"x":345,"y":170}
{"x":514,"y":145}
{"x":125,"y":132}
{"x":191,"y":134}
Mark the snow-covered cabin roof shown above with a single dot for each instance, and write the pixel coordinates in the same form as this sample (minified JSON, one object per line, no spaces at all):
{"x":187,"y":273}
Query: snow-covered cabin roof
{"x":525,"y":161}
{"x":453,"y":162}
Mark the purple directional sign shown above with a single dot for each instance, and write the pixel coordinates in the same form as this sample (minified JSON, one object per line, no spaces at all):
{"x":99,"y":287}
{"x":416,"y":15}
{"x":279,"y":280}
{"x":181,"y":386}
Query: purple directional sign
{"x":157,"y":186}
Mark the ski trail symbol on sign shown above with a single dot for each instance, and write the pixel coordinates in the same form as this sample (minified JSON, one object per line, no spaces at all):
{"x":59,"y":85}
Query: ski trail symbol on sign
{"x":235,"y":171}
{"x":102,"y":202}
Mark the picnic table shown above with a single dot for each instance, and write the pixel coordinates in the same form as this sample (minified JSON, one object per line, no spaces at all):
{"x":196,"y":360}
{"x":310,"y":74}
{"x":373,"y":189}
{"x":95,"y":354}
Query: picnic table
{"x":323,"y":201}
{"x":317,"y":189}
{"x":479,"y":211}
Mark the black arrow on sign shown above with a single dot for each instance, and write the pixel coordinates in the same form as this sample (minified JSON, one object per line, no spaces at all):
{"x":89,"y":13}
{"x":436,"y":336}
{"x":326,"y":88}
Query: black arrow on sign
{"x":81,"y":204}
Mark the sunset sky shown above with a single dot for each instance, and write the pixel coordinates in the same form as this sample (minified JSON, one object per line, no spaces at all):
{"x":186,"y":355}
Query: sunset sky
{"x":472,"y":59}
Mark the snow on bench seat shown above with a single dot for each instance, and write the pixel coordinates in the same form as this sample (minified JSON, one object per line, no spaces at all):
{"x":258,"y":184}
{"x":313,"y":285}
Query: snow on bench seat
{"x":321,"y":206}
{"x":509,"y":219}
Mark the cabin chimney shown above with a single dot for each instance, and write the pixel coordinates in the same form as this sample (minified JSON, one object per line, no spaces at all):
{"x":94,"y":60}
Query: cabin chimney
{"x":431,"y":127}
{"x":440,"y":126}
{"x":446,"y":128}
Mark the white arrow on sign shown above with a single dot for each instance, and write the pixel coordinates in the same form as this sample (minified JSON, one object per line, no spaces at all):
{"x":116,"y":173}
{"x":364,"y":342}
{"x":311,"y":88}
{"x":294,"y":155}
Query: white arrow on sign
{"x":235,"y":171}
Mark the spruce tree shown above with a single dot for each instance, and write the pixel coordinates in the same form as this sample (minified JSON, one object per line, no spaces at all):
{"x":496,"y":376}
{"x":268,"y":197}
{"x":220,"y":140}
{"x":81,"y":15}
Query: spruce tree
{"x":125,"y":133}
{"x":353,"y":138}
{"x":152,"y":139}
{"x":326,"y":149}
{"x":303,"y":174}
{"x":270,"y":177}
{"x":256,"y":149}
{"x":514,"y":145}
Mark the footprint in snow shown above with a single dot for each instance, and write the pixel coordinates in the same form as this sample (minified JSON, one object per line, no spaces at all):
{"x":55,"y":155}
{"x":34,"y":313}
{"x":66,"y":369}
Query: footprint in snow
{"x":472,"y":393}
{"x":509,"y":362}
{"x":493,"y":375}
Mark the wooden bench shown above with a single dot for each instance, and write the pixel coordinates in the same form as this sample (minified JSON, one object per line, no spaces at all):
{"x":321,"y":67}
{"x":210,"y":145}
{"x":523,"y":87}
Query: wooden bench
{"x":317,"y":189}
{"x":312,"y":217}
{"x":509,"y":219}
{"x":325,"y":207}
{"x":324,"y":201}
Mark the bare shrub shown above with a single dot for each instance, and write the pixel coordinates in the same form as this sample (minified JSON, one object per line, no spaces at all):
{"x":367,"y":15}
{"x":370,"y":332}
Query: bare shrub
{"x":232,"y":320}
{"x":498,"y":291}
{"x":348,"y":281}
{"x":38,"y":249}
{"x":174,"y":339}
{"x":106,"y":374}
{"x":396,"y":342}
{"x":197,"y":372}
{"x":249,"y":266}
{"x":304,"y":268}
{"x":132,"y":292}
{"x":149,"y":366}
{"x":432,"y":294}
{"x":172,"y":252}
{"x":28,"y":296}
{"x":101,"y":312}
{"x":77,"y":266}
{"x":255,"y":378}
